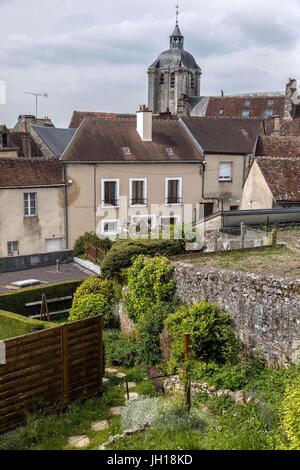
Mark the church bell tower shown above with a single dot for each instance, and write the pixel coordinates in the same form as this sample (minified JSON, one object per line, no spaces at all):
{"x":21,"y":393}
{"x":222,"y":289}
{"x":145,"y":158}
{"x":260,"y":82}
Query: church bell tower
{"x":173,"y":78}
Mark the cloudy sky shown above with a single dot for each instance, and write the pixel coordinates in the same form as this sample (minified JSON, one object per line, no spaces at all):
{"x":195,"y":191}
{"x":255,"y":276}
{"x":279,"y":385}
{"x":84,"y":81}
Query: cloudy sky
{"x":93,"y":54}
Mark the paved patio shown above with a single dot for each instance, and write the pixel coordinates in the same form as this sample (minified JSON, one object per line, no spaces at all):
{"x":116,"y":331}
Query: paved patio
{"x":45,"y":274}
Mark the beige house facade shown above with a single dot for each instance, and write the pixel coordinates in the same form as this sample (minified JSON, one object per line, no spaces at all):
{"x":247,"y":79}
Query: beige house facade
{"x":32,"y":215}
{"x":91,"y":209}
{"x":272,"y":182}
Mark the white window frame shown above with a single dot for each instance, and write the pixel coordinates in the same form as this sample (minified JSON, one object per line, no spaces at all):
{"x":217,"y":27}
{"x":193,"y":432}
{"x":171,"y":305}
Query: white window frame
{"x":175,"y":216}
{"x":225,"y":179}
{"x":145,"y":195}
{"x":27,"y":196}
{"x":110,"y":180}
{"x":109,"y":221}
{"x":170,"y":178}
{"x":14,"y":252}
{"x":147,"y":216}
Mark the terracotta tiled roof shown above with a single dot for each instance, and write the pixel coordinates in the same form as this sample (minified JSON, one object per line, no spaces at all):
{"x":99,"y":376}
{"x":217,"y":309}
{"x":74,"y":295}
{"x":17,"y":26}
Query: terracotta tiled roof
{"x":231,"y":136}
{"x":282,"y":176}
{"x":79,"y":116}
{"x":278,"y":146}
{"x":233,"y":106}
{"x":104,"y":140}
{"x":15,"y":172}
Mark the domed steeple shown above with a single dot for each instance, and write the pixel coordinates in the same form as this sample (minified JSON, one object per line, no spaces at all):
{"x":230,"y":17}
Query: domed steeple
{"x":173,"y":75}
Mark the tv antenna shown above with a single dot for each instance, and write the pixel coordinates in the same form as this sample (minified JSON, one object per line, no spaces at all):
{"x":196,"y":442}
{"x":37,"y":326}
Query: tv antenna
{"x":37,"y":96}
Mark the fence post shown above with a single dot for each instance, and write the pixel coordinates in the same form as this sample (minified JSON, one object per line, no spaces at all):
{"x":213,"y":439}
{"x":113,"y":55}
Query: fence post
{"x":65,"y":363}
{"x":187,"y":381}
{"x":243,"y":234}
{"x":100,"y":355}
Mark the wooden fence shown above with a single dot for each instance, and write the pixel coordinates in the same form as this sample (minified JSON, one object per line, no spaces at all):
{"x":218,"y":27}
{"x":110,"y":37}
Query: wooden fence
{"x":50,"y":369}
{"x":95,"y":253}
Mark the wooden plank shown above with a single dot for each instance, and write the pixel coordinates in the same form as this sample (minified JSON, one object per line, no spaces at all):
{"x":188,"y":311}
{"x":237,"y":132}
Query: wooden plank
{"x":27,"y":359}
{"x":100,"y":354}
{"x":21,"y":399}
{"x":50,"y":301}
{"x":17,"y":351}
{"x":31,"y":337}
{"x":23,"y":375}
{"x":87,"y":330}
{"x":65,"y":363}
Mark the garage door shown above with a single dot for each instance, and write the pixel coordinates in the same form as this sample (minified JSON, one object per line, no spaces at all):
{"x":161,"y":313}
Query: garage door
{"x":53,"y":244}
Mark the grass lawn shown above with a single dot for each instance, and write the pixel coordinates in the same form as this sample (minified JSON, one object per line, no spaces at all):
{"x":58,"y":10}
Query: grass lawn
{"x":279,"y":260}
{"x":226,"y":425}
{"x":12,"y":325}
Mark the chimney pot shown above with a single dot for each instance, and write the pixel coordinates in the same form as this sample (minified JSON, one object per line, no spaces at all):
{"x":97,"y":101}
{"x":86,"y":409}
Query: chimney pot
{"x":144,"y":123}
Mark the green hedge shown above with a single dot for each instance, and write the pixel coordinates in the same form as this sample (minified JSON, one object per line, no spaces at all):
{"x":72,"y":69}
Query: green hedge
{"x":121,"y":254}
{"x":12,"y":325}
{"x":15,"y":302}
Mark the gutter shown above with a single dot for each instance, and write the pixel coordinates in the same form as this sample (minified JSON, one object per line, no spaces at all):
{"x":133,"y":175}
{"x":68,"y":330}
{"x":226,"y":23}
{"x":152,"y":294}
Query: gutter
{"x":34,"y":186}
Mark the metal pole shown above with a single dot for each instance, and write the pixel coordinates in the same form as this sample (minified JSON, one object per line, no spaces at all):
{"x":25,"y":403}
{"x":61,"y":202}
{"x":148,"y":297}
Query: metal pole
{"x":187,"y":385}
{"x":127,"y":390}
{"x":36,"y":106}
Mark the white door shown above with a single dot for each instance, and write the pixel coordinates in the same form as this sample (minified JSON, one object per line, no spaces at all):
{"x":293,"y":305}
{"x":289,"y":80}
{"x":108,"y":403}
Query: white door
{"x":53,"y":244}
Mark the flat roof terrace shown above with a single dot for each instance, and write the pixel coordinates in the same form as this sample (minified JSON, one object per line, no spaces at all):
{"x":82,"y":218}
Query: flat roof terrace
{"x":45,"y":274}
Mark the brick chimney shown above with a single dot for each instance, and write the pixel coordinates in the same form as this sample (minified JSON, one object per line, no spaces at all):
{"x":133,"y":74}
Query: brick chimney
{"x":144,"y":123}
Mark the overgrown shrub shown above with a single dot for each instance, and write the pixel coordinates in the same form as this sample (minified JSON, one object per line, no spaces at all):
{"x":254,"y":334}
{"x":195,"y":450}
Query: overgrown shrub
{"x":149,"y":283}
{"x":121,"y":255}
{"x":291,"y":414}
{"x":149,"y":328}
{"x":95,"y":296}
{"x":90,"y":237}
{"x":119,"y":350}
{"x":212,"y":334}
{"x":148,"y":300}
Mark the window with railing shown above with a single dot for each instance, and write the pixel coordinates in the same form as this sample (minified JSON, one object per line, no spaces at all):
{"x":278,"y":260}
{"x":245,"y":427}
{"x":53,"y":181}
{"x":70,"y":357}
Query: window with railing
{"x":110,"y":192}
{"x":173,"y":191}
{"x":138,"y":192}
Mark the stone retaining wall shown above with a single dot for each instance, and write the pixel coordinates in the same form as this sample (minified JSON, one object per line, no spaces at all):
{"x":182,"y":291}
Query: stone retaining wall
{"x":264,"y":310}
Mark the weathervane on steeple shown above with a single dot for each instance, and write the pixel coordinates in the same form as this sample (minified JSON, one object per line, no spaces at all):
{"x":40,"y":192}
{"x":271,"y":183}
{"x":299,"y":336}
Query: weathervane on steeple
{"x":177,"y":13}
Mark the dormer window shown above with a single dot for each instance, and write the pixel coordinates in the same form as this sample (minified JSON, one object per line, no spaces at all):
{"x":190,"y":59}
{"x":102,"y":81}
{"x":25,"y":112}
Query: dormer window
{"x":170,"y":151}
{"x":247,"y":103}
{"x":126,"y":151}
{"x":269,"y":112}
{"x":221,"y":112}
{"x":270,"y":102}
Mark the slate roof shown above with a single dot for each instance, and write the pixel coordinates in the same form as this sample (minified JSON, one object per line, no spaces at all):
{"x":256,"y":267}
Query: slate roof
{"x":56,"y":139}
{"x":175,"y":57}
{"x":234,"y":106}
{"x":79,"y":116}
{"x":278,"y":146}
{"x":18,"y":172}
{"x":225,"y":136}
{"x":103,"y":141}
{"x":282,"y":176}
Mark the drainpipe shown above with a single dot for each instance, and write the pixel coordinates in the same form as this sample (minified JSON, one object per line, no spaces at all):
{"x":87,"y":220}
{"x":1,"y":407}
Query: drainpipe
{"x":66,"y":206}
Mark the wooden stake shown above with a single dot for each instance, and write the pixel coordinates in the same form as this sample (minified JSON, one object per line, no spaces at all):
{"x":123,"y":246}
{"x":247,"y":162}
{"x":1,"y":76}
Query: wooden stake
{"x":187,"y":389}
